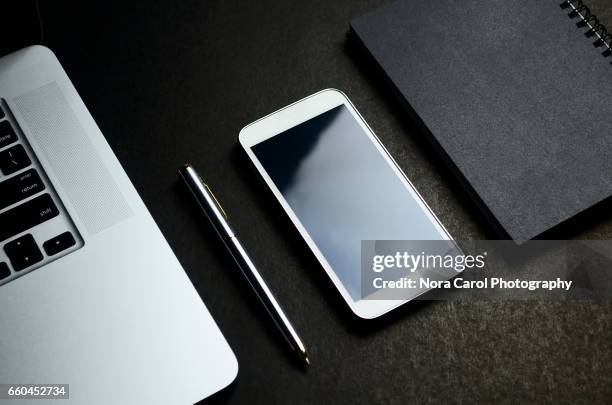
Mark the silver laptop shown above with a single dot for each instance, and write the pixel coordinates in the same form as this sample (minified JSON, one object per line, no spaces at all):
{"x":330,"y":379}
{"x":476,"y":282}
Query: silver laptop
{"x":90,"y":293}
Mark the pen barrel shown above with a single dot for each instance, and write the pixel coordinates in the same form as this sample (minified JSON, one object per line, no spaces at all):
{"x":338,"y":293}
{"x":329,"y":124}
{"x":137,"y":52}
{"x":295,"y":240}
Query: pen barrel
{"x":264,"y":294}
{"x":207,"y":201}
{"x":217,"y":217}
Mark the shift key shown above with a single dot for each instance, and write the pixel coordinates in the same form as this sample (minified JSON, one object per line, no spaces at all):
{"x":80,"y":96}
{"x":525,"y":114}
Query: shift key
{"x":27,"y":215}
{"x":7,"y":135}
{"x":20,"y":187}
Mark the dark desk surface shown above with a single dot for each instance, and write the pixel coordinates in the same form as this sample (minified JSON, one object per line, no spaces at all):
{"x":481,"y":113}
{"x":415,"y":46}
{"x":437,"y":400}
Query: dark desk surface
{"x":174,"y":81}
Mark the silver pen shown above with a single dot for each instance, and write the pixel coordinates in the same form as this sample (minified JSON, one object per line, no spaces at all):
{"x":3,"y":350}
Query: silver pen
{"x":218,"y":218}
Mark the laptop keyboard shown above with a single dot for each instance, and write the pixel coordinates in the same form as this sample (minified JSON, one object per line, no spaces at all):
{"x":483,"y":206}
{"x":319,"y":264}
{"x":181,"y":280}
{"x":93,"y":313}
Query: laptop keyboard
{"x":35,"y":228}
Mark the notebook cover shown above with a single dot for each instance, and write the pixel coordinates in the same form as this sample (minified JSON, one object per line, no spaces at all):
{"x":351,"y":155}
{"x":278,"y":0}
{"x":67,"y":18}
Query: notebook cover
{"x":514,"y":96}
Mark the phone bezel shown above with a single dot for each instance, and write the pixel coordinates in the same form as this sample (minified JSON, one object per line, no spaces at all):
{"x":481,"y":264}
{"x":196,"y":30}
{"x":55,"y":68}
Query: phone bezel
{"x":294,"y":114}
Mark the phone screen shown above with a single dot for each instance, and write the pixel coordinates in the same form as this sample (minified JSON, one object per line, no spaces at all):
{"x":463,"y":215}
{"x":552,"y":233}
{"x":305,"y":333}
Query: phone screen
{"x":343,"y":190}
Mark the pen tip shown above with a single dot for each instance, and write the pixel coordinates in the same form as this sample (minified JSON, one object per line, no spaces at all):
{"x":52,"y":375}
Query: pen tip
{"x":307,"y":361}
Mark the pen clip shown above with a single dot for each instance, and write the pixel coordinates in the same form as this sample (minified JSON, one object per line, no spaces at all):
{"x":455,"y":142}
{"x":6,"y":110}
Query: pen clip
{"x":215,"y":198}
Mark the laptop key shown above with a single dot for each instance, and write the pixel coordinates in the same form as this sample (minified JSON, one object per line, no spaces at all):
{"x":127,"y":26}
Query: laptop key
{"x":20,"y":187}
{"x":61,"y":242}
{"x":4,"y":270}
{"x":27,"y":215}
{"x":7,"y":135}
{"x":13,"y":159}
{"x":23,"y":252}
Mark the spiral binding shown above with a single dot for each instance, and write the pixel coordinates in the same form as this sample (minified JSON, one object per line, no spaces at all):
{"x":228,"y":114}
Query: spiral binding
{"x":588,"y":20}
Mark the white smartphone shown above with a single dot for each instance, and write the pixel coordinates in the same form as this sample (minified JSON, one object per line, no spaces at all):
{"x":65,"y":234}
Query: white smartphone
{"x":339,"y":186}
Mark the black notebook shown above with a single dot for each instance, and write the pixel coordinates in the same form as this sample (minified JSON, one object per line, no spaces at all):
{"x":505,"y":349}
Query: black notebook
{"x":516,"y":95}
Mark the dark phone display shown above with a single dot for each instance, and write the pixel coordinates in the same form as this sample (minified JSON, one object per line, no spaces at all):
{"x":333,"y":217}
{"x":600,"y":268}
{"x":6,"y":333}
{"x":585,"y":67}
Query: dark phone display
{"x":342,"y":190}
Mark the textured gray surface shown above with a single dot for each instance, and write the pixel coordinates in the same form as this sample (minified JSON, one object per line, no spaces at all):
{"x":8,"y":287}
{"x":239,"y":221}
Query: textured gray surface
{"x":174,"y":81}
